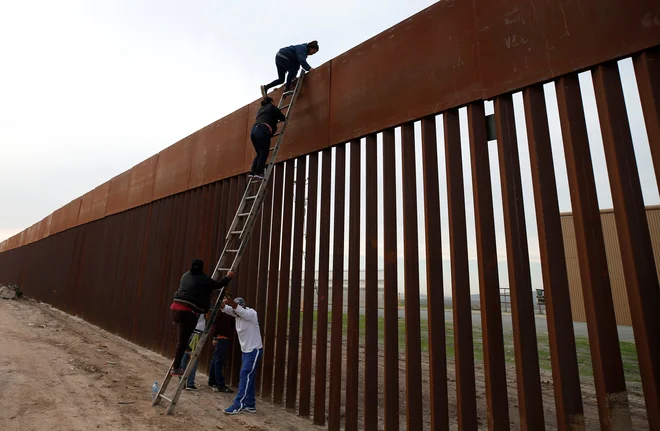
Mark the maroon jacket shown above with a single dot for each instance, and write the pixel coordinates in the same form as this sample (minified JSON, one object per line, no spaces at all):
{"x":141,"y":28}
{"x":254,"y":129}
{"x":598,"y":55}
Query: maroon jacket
{"x":223,"y":326}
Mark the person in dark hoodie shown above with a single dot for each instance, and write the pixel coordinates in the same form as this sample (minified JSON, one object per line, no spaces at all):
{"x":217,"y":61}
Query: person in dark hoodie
{"x":288,"y":60}
{"x":190,"y":300}
{"x":263,"y":129}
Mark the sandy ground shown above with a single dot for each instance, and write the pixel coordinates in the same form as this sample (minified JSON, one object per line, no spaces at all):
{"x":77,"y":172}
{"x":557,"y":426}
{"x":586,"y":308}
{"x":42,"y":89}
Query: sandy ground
{"x":58,"y":372}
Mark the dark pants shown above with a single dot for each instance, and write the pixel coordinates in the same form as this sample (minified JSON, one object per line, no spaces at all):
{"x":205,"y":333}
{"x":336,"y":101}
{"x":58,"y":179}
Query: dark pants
{"x":185,"y":322}
{"x":260,"y":137}
{"x":284,"y":66}
{"x":216,"y":378}
{"x":184,"y":364}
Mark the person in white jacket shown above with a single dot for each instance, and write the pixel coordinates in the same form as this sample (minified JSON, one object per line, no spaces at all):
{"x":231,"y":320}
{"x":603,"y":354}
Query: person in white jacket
{"x":249,"y":337}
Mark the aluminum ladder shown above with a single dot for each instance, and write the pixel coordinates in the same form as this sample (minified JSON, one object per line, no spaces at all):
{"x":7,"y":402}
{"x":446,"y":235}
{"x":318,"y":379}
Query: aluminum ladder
{"x":236,"y":242}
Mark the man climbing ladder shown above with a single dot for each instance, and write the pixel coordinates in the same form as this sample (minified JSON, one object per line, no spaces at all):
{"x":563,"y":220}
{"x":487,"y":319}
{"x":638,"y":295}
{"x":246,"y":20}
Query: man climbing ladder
{"x":236,"y":241}
{"x":263,"y":129}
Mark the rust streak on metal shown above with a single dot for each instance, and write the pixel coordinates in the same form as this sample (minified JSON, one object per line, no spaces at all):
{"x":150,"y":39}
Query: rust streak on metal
{"x":308,"y":298}
{"x":601,"y":323}
{"x":524,"y":327}
{"x":285,"y":274}
{"x":633,"y":231}
{"x":262,"y":281}
{"x":296,"y":285}
{"x":320,"y":375}
{"x":647,"y":71}
{"x":563,"y":355}
{"x":465,"y":381}
{"x":334,"y":410}
{"x":390,"y":292}
{"x":353,"y":297}
{"x":236,"y":362}
{"x":489,"y":286}
{"x":371,"y":286}
{"x":216,"y":202}
{"x":414,"y":414}
{"x":253,"y":275}
{"x":273,"y":276}
{"x":434,"y":279}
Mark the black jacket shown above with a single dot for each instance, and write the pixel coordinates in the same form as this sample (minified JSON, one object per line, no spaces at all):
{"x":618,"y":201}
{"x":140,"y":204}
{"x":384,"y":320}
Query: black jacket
{"x":195,"y":290}
{"x":270,"y":114}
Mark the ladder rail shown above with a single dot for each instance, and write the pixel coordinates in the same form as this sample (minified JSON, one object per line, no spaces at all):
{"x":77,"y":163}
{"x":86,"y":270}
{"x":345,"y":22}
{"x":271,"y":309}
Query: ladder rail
{"x":280,"y":138}
{"x":271,"y":163}
{"x":229,"y":248}
{"x":263,"y":188}
{"x":241,"y":205}
{"x":193,"y":358}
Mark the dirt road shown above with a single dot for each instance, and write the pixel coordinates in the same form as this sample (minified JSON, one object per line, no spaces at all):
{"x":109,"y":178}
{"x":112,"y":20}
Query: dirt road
{"x":58,"y":372}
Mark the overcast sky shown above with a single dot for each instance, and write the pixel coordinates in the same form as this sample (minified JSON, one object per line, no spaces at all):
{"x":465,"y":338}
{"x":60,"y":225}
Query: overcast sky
{"x":90,"y":88}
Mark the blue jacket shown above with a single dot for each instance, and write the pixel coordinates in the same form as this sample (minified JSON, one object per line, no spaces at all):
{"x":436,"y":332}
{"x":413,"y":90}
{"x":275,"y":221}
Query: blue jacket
{"x":297,"y":56}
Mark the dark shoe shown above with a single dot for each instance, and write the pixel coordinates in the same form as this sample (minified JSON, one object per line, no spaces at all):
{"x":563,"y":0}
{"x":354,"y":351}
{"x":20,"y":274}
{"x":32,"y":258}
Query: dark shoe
{"x":256,"y":177}
{"x":192,"y":388}
{"x":177,"y":371}
{"x":263,"y":90}
{"x":225,"y":389}
{"x":250,"y":409}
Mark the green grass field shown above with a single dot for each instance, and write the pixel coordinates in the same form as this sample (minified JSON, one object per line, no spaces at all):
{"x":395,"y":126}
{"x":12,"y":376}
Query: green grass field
{"x":628,"y":351}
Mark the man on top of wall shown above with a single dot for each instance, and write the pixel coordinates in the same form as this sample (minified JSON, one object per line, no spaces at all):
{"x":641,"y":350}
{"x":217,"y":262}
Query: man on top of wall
{"x":288,"y":60}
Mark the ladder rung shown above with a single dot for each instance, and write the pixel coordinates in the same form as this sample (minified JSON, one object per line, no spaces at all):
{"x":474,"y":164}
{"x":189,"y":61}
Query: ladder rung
{"x":240,"y":229}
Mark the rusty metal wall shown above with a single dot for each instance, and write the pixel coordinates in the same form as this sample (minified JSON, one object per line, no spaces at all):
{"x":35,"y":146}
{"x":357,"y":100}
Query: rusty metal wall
{"x":358,"y":92}
{"x":614,"y":263}
{"x":120,"y":267}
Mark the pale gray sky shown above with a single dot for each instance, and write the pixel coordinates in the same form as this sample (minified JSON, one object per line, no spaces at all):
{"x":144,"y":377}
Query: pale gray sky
{"x":90,"y":88}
